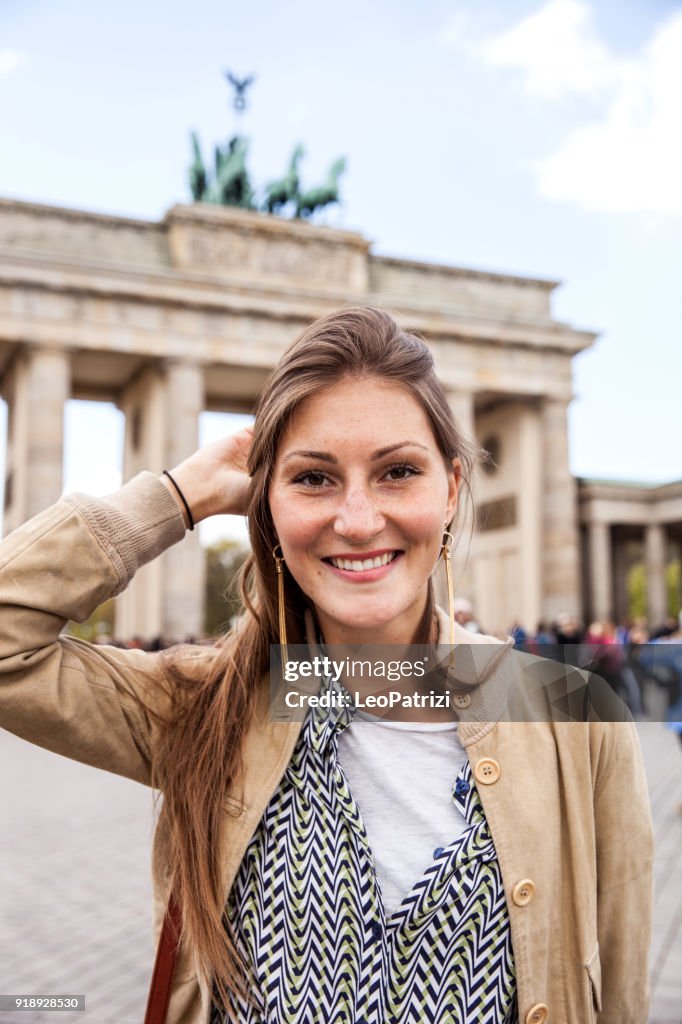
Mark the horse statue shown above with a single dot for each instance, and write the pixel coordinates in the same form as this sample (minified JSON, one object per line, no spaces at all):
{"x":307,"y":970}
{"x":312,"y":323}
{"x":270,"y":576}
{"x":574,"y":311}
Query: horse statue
{"x":231,"y":185}
{"x":197,"y":171}
{"x":324,"y":195}
{"x":279,"y":193}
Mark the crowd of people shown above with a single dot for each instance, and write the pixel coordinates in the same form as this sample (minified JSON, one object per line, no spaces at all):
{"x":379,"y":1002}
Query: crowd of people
{"x":623,"y":654}
{"x":569,"y":629}
{"x":634,"y":658}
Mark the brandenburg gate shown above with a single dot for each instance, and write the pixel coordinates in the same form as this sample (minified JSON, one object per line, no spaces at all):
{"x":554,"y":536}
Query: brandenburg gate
{"x":170,"y":318}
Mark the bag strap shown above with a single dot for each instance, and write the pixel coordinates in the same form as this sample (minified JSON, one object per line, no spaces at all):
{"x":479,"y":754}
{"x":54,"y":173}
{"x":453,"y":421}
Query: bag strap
{"x":164,"y":966}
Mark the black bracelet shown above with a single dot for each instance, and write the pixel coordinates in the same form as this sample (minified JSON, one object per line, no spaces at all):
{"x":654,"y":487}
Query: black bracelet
{"x":182,"y":498}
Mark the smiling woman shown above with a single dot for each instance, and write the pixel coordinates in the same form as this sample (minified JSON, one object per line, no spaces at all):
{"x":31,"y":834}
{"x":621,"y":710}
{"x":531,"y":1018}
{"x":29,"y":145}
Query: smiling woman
{"x":451,"y":867}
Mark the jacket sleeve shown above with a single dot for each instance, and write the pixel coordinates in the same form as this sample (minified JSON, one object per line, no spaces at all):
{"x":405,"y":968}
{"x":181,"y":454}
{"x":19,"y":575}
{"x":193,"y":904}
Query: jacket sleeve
{"x":78,"y":699}
{"x":625,"y":850}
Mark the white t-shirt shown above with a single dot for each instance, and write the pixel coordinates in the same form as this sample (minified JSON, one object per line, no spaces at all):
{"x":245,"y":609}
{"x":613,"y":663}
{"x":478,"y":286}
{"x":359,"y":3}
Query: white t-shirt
{"x":402,"y":775}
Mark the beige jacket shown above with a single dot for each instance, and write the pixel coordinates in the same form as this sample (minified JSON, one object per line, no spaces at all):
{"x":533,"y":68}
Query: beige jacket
{"x":566,"y":801}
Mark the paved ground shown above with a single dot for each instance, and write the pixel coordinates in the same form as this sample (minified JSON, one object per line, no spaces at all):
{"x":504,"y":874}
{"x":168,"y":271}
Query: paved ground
{"x":663,"y":759}
{"x":75,"y":897}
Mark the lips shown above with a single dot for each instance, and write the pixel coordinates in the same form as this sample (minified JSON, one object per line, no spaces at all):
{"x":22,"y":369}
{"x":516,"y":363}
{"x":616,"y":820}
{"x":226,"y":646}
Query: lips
{"x":373,"y":565}
{"x":362,"y":564}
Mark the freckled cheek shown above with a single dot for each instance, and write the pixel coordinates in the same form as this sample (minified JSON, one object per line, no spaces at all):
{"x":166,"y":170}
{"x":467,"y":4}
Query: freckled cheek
{"x":423,"y":526}
{"x":298,"y":527}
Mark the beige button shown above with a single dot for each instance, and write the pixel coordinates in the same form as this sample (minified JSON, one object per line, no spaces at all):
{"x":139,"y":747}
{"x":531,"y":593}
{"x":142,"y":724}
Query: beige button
{"x":537,"y":1014}
{"x":523,"y":892}
{"x":487,"y":771}
{"x":462,"y":700}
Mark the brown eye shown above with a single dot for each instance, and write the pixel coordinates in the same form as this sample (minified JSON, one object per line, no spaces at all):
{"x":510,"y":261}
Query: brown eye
{"x":312,"y":479}
{"x":402,"y":471}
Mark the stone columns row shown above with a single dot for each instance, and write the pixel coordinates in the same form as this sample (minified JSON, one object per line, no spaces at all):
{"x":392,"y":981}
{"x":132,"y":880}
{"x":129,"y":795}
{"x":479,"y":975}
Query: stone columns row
{"x":559,"y":566}
{"x":601,"y":569}
{"x":162,"y":406}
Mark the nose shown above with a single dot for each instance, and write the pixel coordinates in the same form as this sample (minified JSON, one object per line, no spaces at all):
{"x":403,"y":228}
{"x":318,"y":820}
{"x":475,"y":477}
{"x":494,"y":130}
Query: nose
{"x":357,"y":518}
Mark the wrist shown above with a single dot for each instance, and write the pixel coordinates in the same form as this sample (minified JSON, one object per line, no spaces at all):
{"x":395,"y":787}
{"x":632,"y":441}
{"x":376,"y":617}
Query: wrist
{"x":191,"y":484}
{"x":187,"y":515}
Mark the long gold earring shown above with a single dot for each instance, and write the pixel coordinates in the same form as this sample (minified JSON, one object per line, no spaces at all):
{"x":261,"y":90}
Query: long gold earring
{"x":446,"y":549}
{"x":281,"y":612}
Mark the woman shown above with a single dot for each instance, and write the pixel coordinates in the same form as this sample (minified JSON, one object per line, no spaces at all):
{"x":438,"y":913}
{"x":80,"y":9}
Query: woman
{"x":322,"y":870}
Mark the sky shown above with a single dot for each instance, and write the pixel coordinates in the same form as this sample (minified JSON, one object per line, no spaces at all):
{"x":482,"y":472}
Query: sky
{"x":539,"y":138}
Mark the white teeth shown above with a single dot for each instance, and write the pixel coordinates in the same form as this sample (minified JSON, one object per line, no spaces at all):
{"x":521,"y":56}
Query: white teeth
{"x":356,"y":565}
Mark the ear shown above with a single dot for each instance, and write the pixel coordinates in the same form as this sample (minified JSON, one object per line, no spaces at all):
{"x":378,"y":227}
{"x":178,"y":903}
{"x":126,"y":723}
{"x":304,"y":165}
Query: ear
{"x":454,"y":484}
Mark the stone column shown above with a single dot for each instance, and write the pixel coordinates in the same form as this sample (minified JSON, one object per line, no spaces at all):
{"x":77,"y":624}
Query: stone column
{"x":462,"y":405}
{"x":183,"y":564}
{"x":529,"y":589}
{"x":138,"y":610}
{"x":560,"y":540}
{"x":601,"y":571}
{"x":36,"y":388}
{"x":621,"y":565}
{"x":678,"y":557}
{"x":654,"y":557}
{"x":162,"y":406}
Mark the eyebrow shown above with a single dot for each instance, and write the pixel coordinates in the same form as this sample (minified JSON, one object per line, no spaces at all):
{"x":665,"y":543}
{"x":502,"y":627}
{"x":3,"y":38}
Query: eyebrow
{"x":328,"y":457}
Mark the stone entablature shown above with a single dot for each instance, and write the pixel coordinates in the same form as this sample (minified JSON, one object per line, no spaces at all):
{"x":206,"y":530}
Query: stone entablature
{"x":623,"y":502}
{"x":53,"y":230}
{"x":202,"y":244}
{"x":97,"y":284}
{"x":429,"y":284}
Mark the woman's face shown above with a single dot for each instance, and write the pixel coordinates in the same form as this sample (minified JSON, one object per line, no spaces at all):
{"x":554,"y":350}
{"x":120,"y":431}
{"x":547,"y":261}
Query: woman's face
{"x":360,"y":496}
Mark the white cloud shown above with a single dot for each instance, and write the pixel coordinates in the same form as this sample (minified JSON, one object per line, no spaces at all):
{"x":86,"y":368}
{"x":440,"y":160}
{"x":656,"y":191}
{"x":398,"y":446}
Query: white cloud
{"x":556,"y":49}
{"x":11,"y":61}
{"x":629,"y":159}
{"x":626,"y":156}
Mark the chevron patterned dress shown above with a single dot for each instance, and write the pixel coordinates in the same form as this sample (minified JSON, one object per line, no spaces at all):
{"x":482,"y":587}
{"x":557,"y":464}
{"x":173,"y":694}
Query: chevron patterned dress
{"x":307,"y":912}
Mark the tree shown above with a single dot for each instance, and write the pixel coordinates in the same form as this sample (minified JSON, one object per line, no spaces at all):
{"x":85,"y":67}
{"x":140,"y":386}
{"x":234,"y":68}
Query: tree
{"x":637,"y":590}
{"x":100,"y":625}
{"x":672,"y":581}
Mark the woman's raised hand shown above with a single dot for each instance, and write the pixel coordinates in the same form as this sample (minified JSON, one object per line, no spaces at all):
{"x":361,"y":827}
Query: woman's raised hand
{"x":215,"y":480}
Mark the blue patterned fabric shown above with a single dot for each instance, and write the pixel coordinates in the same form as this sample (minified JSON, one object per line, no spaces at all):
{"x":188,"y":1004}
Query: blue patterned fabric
{"x":307,"y":912}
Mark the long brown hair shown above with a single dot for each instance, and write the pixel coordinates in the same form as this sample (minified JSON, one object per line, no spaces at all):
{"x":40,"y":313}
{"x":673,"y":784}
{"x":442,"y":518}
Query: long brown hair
{"x":201,"y":752}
